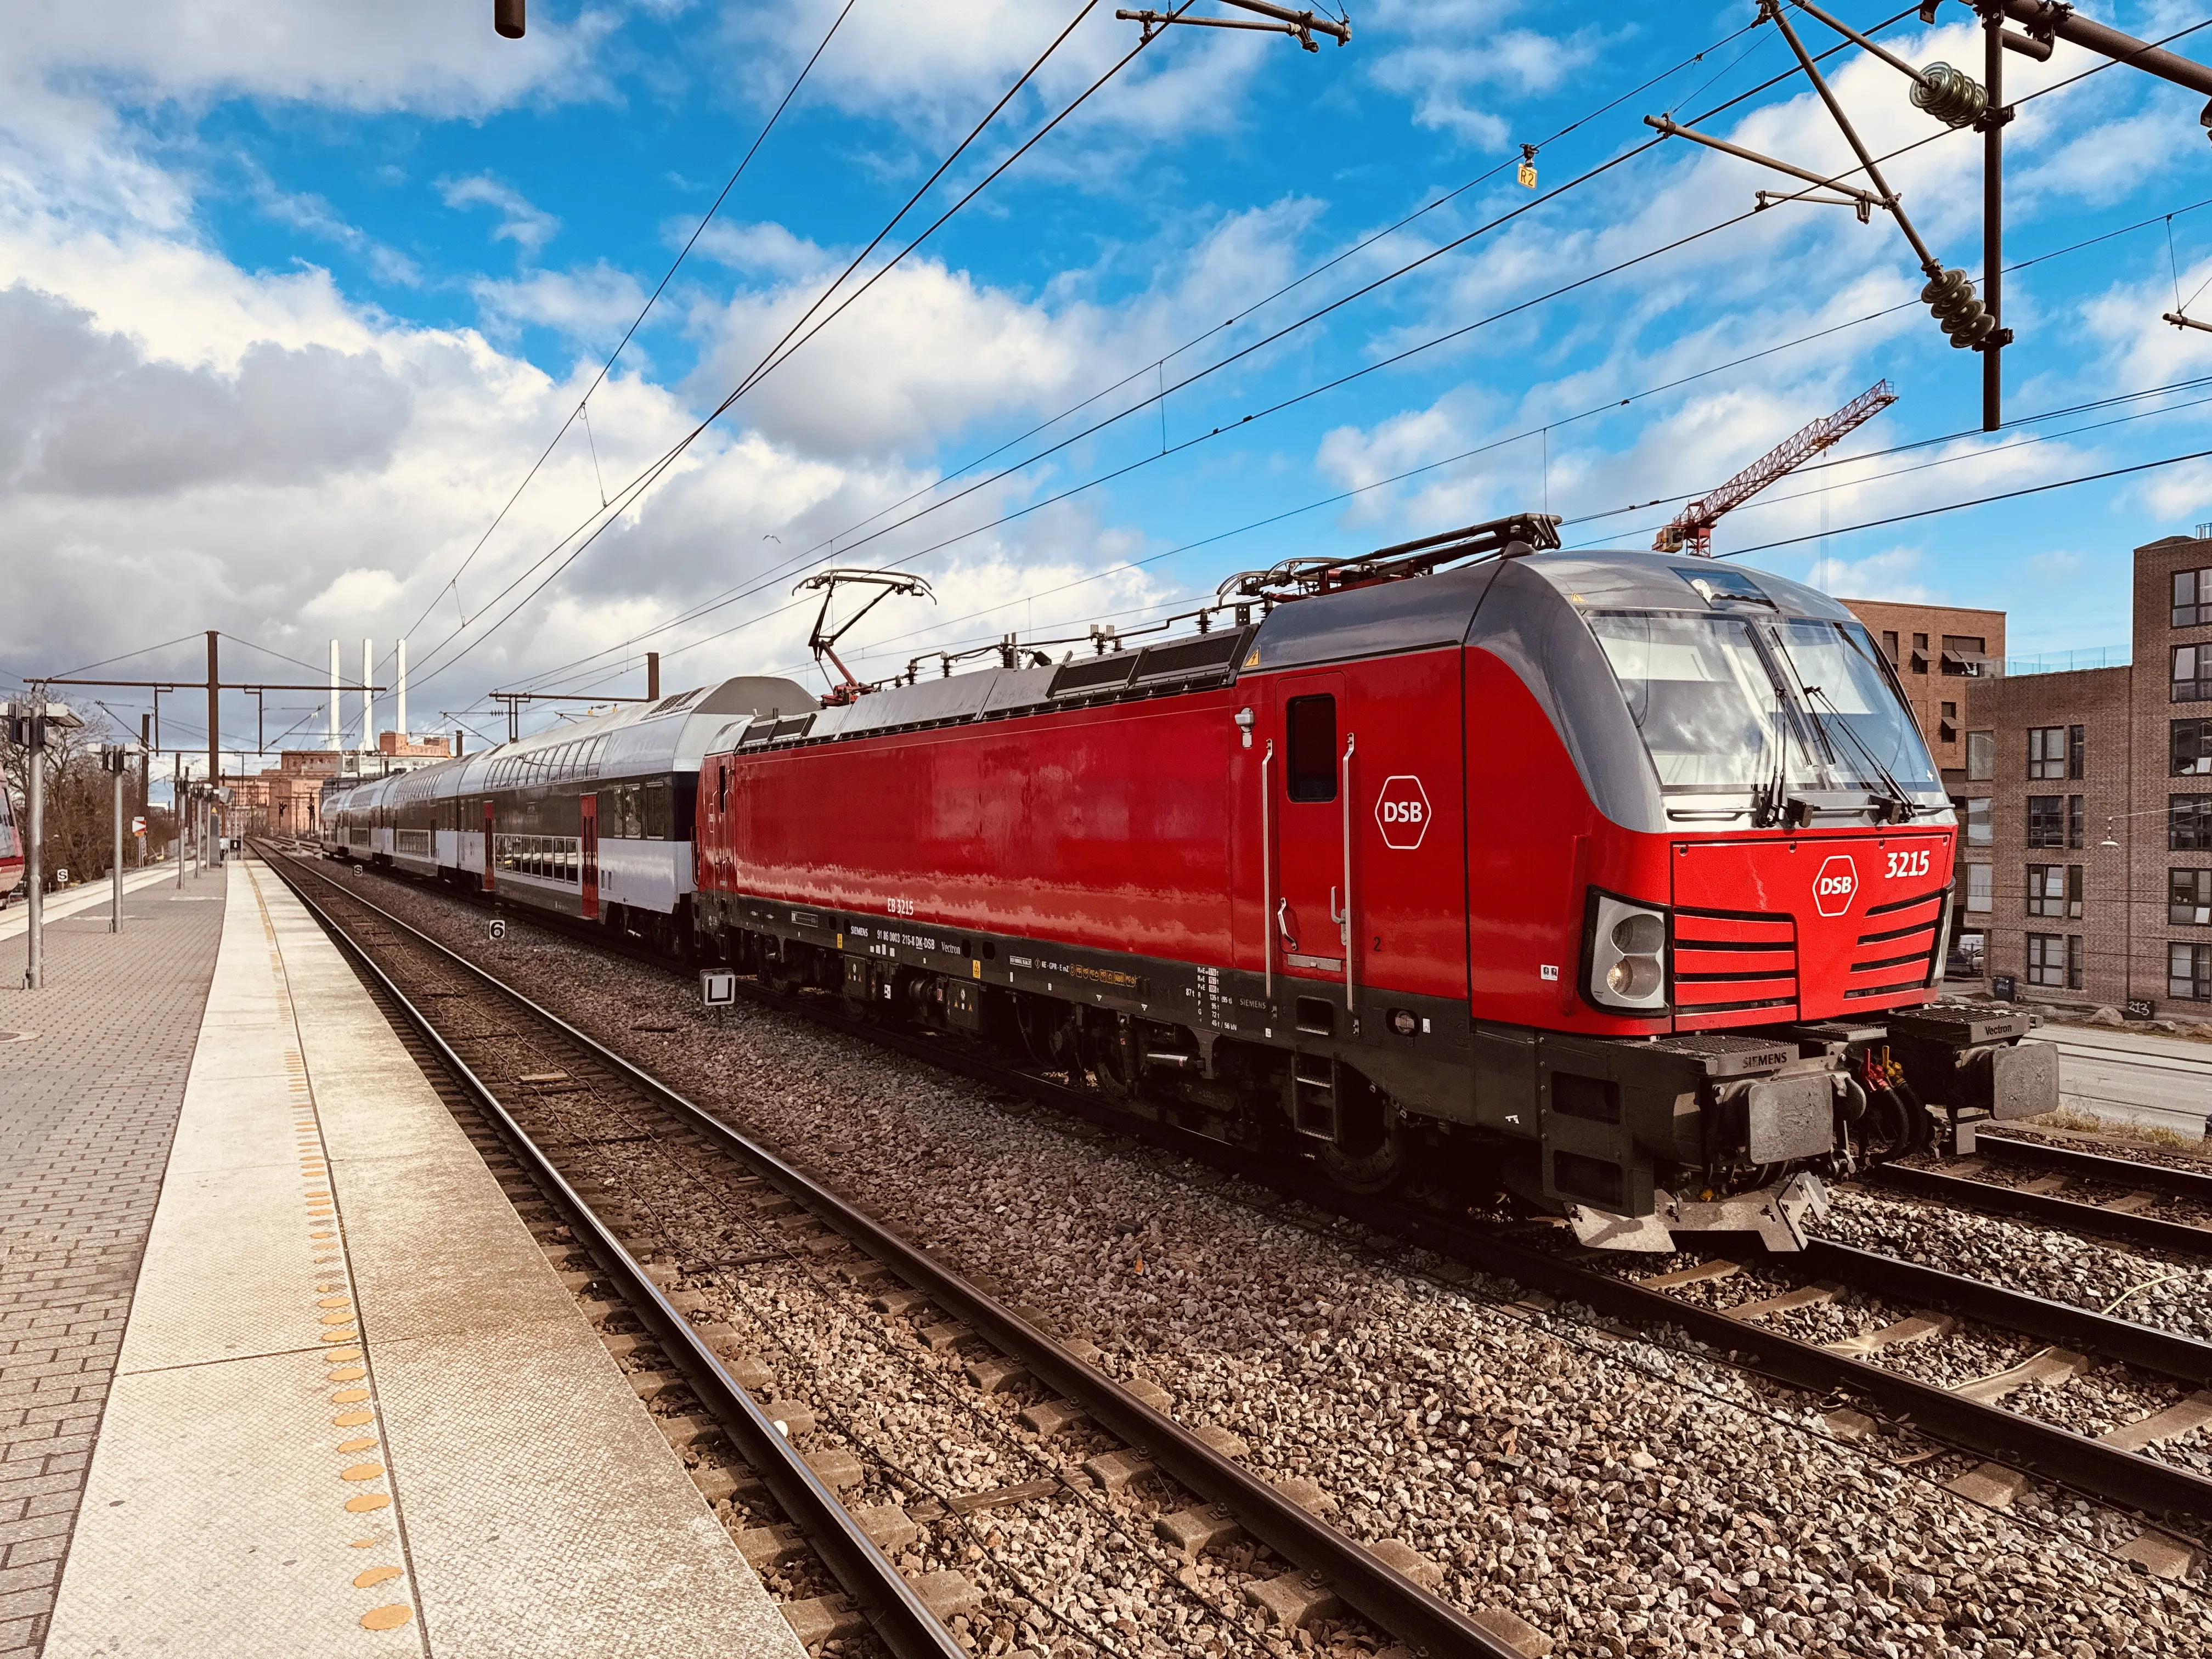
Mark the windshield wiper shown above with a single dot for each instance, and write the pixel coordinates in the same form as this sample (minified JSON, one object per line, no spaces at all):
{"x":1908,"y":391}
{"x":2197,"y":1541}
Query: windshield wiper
{"x":1902,"y":807}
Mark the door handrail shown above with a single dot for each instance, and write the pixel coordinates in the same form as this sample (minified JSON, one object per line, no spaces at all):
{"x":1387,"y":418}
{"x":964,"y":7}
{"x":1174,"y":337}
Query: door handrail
{"x":1266,"y":873}
{"x":1350,"y":741}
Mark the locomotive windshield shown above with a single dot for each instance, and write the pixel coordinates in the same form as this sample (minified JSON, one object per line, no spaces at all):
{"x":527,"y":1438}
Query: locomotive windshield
{"x":1754,"y":711}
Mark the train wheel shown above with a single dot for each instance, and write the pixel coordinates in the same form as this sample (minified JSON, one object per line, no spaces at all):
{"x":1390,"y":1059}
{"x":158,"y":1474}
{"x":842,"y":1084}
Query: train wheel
{"x":1108,"y":1053}
{"x":1371,"y":1150}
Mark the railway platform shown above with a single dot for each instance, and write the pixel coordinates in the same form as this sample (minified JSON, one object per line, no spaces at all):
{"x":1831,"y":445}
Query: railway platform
{"x":353,"y":1409}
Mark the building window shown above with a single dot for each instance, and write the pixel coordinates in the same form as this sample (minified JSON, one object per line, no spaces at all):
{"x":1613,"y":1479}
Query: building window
{"x":1968,"y":952}
{"x":2073,"y":822}
{"x":1980,"y":888}
{"x":2189,"y":972}
{"x":1963,"y":655}
{"x":1919,"y":654}
{"x":2192,"y":673}
{"x":2046,"y":959}
{"x":2046,"y":821}
{"x":2047,"y":890}
{"x":1889,"y":645}
{"x":1978,"y":821}
{"x":2188,"y":899}
{"x":2046,"y":751}
{"x":2074,"y":961}
{"x":2192,"y":748}
{"x":2189,"y":823}
{"x":1981,"y":757}
{"x":2078,"y":751}
{"x":1950,"y":711}
{"x":2192,"y":598}
{"x":2074,"y":884}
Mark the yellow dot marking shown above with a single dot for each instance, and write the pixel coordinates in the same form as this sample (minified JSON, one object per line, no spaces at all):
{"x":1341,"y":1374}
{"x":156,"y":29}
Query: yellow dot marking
{"x":322,"y":1235}
{"x":360,"y":1445}
{"x":365,"y":1501}
{"x":390,"y":1618}
{"x":374,"y":1575}
{"x":341,"y":1356}
{"x":362,"y":1471}
{"x":336,"y":1302}
{"x":362,"y":1544}
{"x":318,"y":1192}
{"x":347,"y":1374}
{"x":339,"y":1315}
{"x":352,"y":1420}
{"x":342,"y":1336}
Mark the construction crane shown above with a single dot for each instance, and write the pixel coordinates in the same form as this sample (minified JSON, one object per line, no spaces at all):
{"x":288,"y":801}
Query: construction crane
{"x":1692,"y":530}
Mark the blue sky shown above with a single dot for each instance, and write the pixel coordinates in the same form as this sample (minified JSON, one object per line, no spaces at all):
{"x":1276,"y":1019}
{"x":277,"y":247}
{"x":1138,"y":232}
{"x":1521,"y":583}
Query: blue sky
{"x":288,"y":309}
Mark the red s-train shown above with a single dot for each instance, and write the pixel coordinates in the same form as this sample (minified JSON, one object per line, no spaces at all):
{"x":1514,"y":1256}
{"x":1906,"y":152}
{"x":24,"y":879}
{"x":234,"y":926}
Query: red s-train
{"x":1620,"y":878}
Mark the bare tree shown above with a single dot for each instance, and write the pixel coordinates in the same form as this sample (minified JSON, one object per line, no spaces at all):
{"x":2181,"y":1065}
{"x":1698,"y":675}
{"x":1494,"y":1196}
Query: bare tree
{"x":80,"y":799}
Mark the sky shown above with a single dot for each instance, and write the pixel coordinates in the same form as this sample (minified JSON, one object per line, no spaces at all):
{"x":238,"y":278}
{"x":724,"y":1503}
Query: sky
{"x":306,"y":316}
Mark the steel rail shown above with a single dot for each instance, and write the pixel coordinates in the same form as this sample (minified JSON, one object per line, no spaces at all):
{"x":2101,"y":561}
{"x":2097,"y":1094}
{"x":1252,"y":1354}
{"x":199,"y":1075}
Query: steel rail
{"x":2128,"y":1480}
{"x":2075,"y":1216}
{"x":1361,"y":1579}
{"x":2097,"y":1166}
{"x":2183,"y":1358}
{"x":897,"y":1615}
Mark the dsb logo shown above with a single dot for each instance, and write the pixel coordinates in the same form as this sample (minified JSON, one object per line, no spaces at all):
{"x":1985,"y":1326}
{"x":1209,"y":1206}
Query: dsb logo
{"x":1402,"y":813}
{"x":1835,"y":885}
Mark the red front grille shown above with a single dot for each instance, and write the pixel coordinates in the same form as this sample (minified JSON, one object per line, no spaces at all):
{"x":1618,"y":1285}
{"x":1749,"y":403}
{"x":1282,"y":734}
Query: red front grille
{"x":1734,"y":968}
{"x":1896,"y":951}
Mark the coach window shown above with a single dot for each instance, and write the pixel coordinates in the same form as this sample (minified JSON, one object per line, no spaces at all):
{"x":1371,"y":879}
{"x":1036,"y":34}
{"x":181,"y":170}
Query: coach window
{"x":1312,"y":774}
{"x":654,"y":816}
{"x":627,"y":796}
{"x":722,"y":786}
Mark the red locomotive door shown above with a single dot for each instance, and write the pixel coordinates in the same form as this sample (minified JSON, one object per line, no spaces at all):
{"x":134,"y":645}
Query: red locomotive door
{"x":1306,"y":922}
{"x":591,"y":808}
{"x":487,"y":847}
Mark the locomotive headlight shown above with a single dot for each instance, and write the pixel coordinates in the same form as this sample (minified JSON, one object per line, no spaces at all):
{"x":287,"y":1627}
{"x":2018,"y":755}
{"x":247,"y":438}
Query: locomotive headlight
{"x":1626,"y":953}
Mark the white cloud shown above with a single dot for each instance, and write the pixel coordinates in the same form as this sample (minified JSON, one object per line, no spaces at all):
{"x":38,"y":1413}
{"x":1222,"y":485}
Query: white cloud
{"x":1459,"y":62}
{"x":1893,"y":573}
{"x":528,"y":227}
{"x":593,"y":305}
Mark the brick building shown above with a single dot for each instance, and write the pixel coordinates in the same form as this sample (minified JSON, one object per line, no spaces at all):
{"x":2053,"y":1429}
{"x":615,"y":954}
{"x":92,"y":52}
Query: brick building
{"x":1934,"y":648}
{"x":2086,"y":861}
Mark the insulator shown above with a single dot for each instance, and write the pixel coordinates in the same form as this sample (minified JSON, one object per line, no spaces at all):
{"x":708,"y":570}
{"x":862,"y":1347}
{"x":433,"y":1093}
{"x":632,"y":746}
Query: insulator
{"x":1947,"y":290}
{"x":1951,"y":95}
{"x":507,"y":17}
{"x":1966,"y":321}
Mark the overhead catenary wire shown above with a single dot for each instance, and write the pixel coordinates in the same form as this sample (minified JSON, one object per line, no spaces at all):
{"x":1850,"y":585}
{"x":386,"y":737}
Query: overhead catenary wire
{"x":595,"y":525}
{"x":668,"y":275}
{"x":1323,"y":311}
{"x":1609,"y":405}
{"x":1724,"y":224}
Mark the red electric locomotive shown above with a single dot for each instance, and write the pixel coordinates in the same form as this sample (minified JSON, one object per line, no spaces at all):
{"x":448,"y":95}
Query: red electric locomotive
{"x":1620,"y":878}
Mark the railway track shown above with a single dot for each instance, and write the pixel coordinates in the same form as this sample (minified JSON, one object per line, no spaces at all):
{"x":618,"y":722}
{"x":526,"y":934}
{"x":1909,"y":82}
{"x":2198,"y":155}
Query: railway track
{"x":1969,"y":1415}
{"x":1316,"y":1569}
{"x":2131,"y":1200}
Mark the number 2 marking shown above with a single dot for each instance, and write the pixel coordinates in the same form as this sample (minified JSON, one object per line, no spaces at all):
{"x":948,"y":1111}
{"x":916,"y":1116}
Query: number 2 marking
{"x":1909,"y":863}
